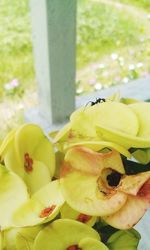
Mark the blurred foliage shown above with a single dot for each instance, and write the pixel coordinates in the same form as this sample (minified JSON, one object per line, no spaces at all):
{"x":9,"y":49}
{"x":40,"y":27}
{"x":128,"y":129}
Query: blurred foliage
{"x":15,"y":45}
{"x":112,"y":48}
{"x":112,"y":44}
{"x":101,"y":28}
{"x":145,"y":4}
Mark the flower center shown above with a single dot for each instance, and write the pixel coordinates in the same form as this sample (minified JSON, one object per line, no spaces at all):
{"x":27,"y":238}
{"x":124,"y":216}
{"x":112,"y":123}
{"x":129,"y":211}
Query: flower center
{"x":83,"y":218}
{"x":114,"y":179}
{"x":47,"y":211}
{"x":28,"y":163}
{"x":74,"y":247}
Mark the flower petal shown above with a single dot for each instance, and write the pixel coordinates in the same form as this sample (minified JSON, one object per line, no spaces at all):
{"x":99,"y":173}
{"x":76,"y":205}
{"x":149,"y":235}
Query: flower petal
{"x":83,"y":193}
{"x":13,"y":193}
{"x":42,"y":207}
{"x":133,"y":210}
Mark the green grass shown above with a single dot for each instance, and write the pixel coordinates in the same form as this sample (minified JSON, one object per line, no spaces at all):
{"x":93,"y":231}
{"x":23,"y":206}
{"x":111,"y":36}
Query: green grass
{"x":15,"y":45}
{"x":102,"y":28}
{"x":145,"y":4}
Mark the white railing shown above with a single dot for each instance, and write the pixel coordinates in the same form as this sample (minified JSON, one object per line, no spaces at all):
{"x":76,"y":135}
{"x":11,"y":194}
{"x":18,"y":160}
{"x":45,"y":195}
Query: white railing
{"x":54,"y":39}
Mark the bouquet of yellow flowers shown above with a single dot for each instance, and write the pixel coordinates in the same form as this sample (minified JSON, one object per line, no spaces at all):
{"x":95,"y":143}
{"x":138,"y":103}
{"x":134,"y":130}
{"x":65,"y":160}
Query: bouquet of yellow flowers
{"x":81,"y":188}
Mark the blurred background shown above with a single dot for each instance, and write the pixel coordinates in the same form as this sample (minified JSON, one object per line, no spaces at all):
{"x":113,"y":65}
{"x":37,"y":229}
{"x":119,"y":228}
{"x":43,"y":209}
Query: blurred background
{"x":113,"y":47}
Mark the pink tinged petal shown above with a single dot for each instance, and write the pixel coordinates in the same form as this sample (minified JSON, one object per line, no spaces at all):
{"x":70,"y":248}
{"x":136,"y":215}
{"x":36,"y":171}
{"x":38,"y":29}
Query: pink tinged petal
{"x":86,"y":160}
{"x":128,"y":216}
{"x":84,"y":193}
{"x":131,"y":184}
{"x":144,"y":192}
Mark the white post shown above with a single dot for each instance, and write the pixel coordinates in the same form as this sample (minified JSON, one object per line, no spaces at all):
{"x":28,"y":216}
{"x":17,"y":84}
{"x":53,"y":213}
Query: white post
{"x":54,"y":38}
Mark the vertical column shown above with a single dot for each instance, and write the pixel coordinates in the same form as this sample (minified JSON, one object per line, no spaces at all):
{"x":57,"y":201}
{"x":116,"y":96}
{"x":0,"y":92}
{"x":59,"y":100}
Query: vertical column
{"x":54,"y":39}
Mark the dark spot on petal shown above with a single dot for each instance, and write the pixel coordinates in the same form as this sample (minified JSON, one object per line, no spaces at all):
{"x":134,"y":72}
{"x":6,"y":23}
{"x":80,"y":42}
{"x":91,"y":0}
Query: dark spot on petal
{"x":114,"y":179}
{"x":84,"y":218}
{"x":28,"y":163}
{"x":74,"y":247}
{"x":47,"y":211}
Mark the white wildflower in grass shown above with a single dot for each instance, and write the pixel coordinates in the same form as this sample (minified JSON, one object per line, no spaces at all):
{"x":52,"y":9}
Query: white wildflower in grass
{"x":21,"y":106}
{"x":106,"y":86}
{"x":101,"y":66}
{"x":148,"y":16}
{"x":114,"y":56}
{"x":121,"y":59}
{"x":98,"y":86}
{"x":142,"y":39}
{"x":131,"y":67}
{"x":79,"y":91}
{"x":125,"y":79}
{"x":121,"y":63}
{"x":7,"y":86}
{"x":117,"y":79}
{"x":139,"y":65}
{"x":11,"y":85}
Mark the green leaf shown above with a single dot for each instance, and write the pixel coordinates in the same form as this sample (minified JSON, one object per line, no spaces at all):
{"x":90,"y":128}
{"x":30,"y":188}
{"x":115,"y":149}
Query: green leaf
{"x":124,"y":240}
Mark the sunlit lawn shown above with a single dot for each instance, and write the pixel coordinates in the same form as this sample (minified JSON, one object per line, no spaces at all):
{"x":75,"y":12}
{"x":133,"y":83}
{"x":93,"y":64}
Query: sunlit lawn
{"x":113,"y":45}
{"x":102,"y":30}
{"x":145,"y":4}
{"x":16,"y":60}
